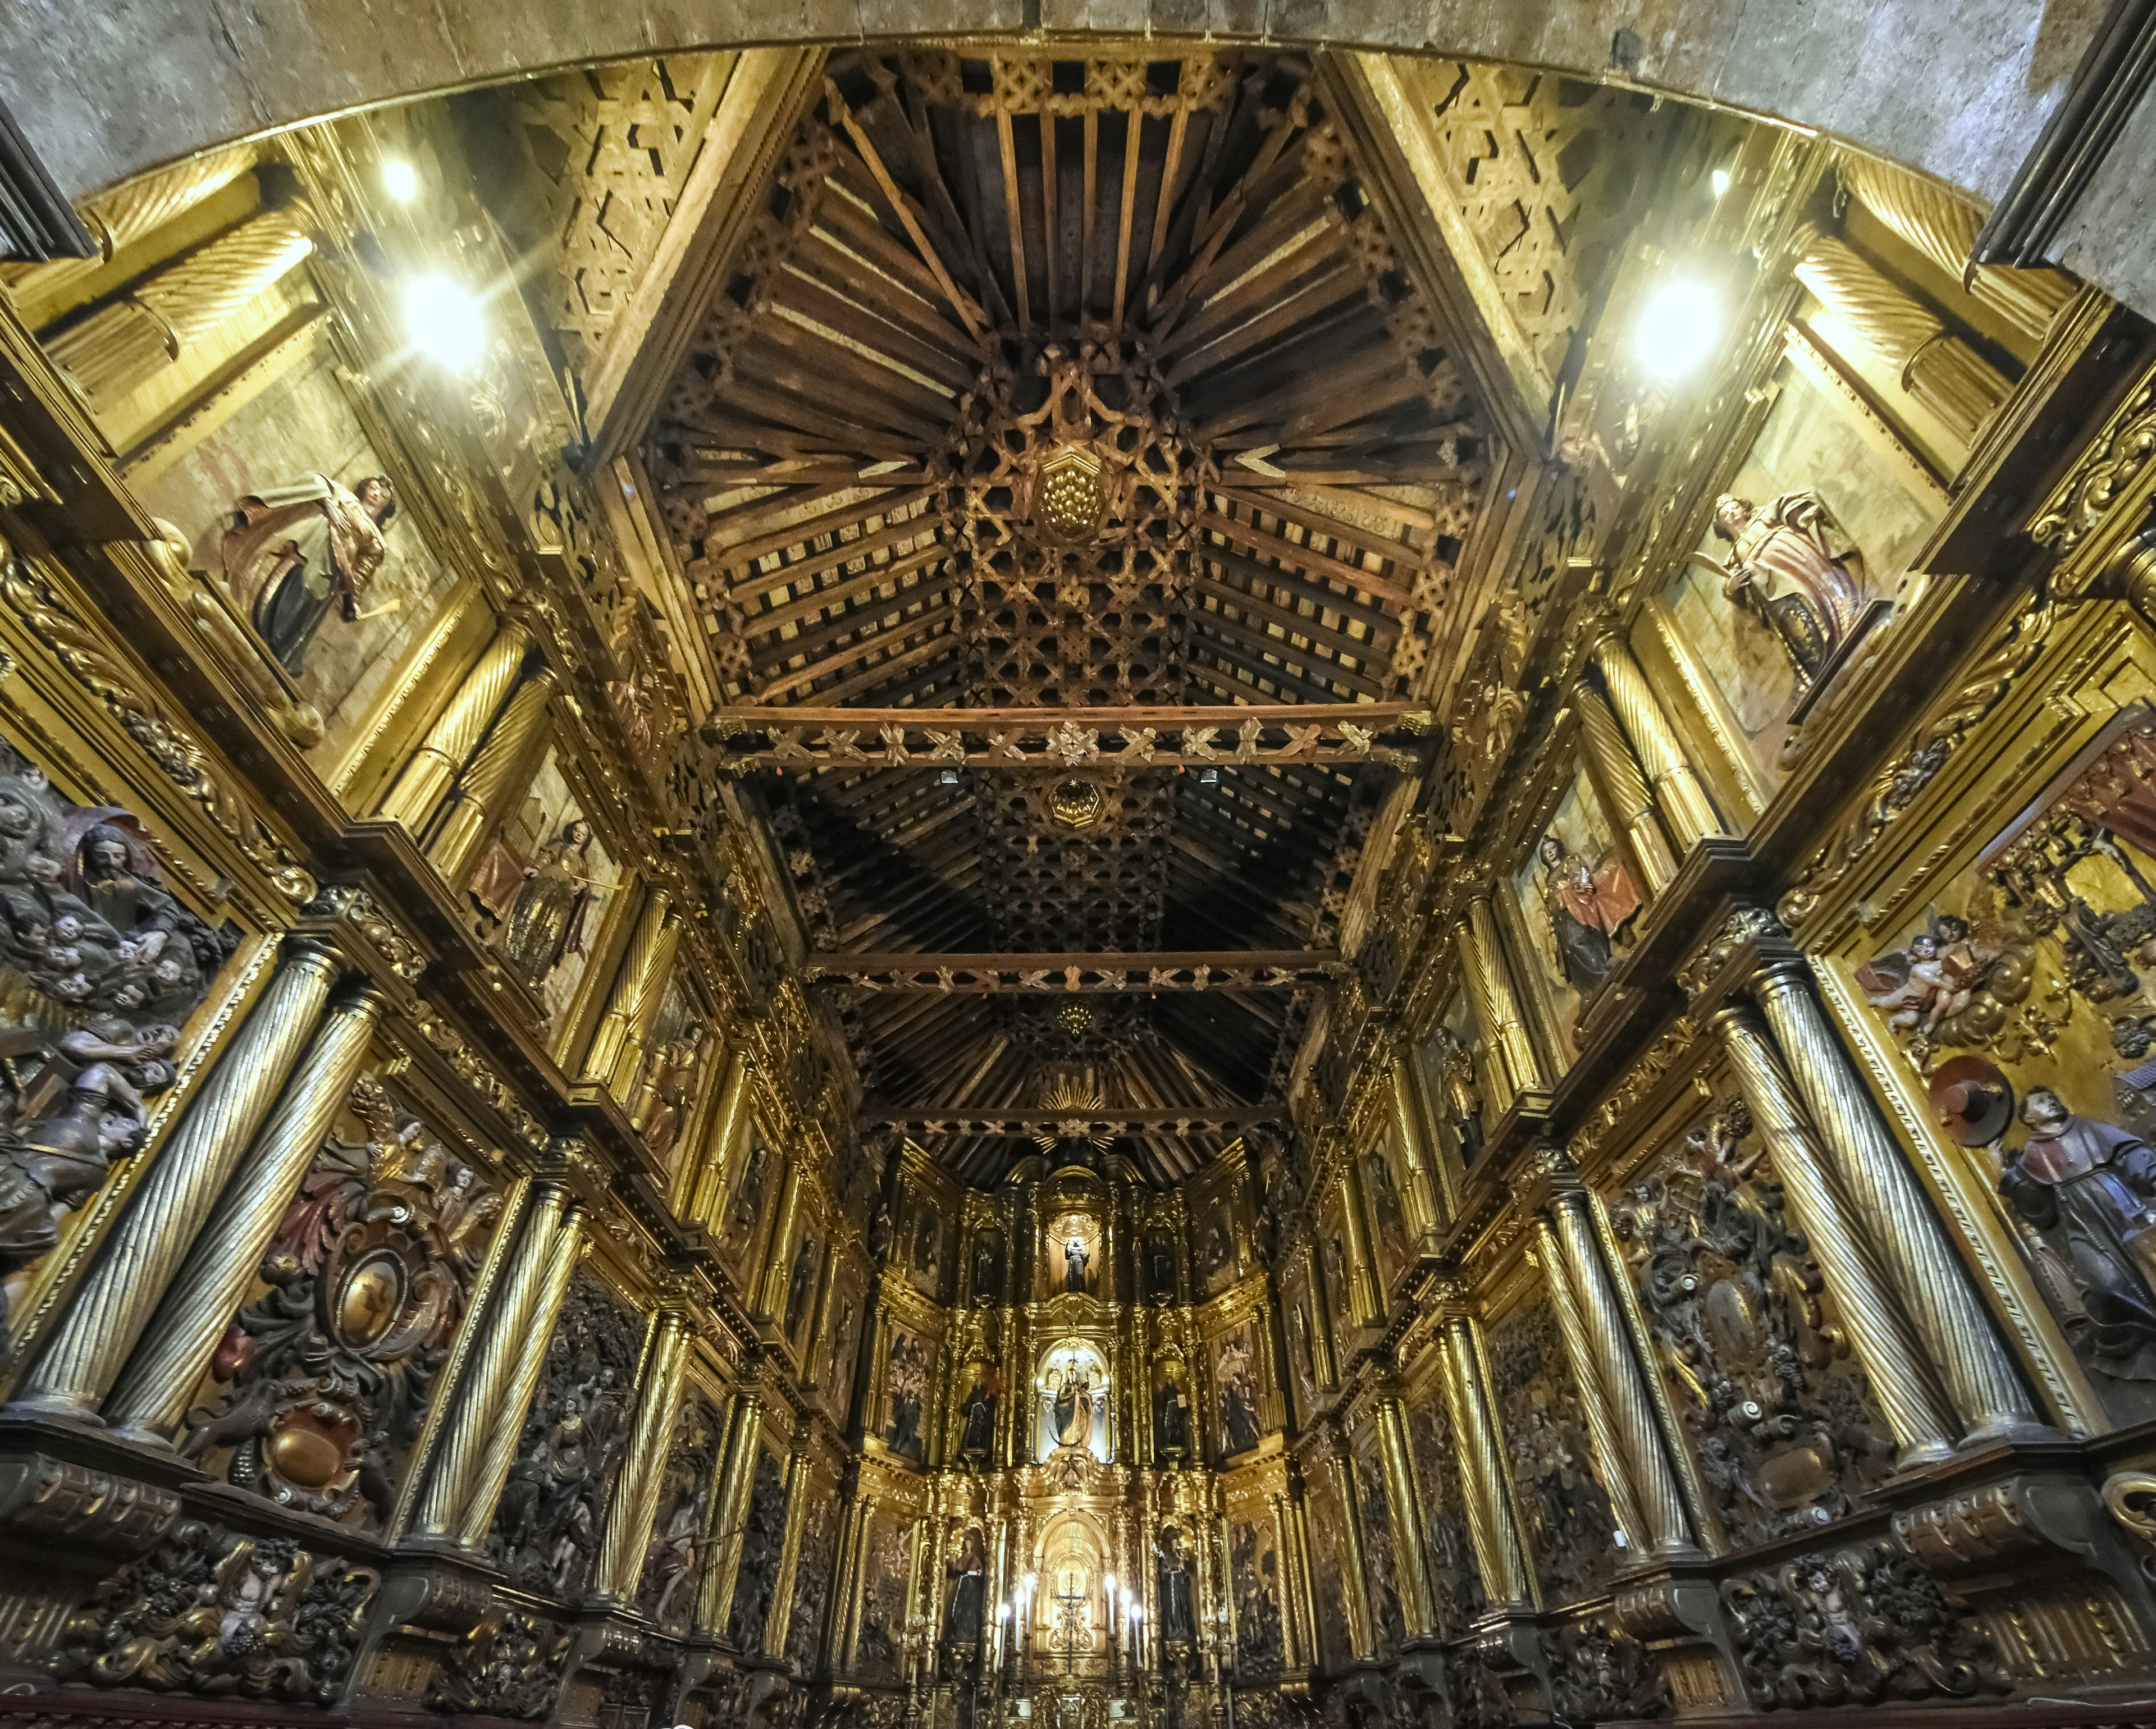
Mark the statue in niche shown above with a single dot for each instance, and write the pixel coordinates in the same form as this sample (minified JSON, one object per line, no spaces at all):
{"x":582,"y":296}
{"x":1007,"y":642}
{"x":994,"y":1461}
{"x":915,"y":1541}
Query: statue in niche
{"x":2096,"y":1181}
{"x":980,"y":1414}
{"x":748,"y":1197}
{"x":1385,"y":1201}
{"x":1075,"y":1258}
{"x":987,"y":1275}
{"x":962,"y":1621}
{"x":1171,"y":1419}
{"x":1460,"y":1093}
{"x":289,"y":553}
{"x":547,"y":922}
{"x":908,"y":1382}
{"x":800,"y":1285}
{"x":1793,"y":565}
{"x":1589,"y":905}
{"x":1160,"y":1266}
{"x":1071,"y":1406}
{"x":672,"y":1070}
{"x":1177,"y":1620}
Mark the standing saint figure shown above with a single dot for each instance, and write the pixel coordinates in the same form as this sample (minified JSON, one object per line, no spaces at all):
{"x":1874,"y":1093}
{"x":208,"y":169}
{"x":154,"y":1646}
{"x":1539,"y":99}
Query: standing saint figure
{"x":980,"y":1408}
{"x":1075,"y":1258}
{"x":2096,"y":1181}
{"x":1171,"y":1420}
{"x":1791,"y":561}
{"x":962,"y":1625}
{"x":547,"y":925}
{"x":1177,"y":1620}
{"x":798,"y":1285}
{"x":1589,"y":905}
{"x":331,"y":547}
{"x":1073,"y":1408}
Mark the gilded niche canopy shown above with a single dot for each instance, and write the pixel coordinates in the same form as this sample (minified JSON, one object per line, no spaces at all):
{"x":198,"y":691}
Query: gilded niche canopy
{"x":1086,"y":384}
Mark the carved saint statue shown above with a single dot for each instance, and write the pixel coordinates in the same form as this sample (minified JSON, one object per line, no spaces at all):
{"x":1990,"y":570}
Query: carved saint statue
{"x":1177,"y":1619}
{"x":2098,"y":1182}
{"x":1160,"y":1265}
{"x":547,"y":924}
{"x":1791,"y":563}
{"x":1071,"y":1407}
{"x":1460,"y":1090}
{"x":962,"y":1625}
{"x":1171,"y":1419}
{"x":980,"y":1409}
{"x":799,"y":1284}
{"x":985,"y":1279}
{"x":1589,"y":905}
{"x":293,"y":551}
{"x":672,"y":1079}
{"x":1075,"y":1258}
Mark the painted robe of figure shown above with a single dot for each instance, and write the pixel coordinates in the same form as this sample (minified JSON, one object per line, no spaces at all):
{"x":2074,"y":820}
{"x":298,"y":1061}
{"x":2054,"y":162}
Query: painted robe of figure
{"x":1789,"y":559}
{"x":292,"y":551}
{"x":1589,"y":905}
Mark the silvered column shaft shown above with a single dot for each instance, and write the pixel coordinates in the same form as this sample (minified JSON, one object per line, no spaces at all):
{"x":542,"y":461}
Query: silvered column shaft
{"x":1599,"y":1405}
{"x":1682,"y":801}
{"x":1899,"y":1380}
{"x":425,"y":779}
{"x":476,"y":1514}
{"x":1500,"y":1551}
{"x":99,"y":1327}
{"x":1620,"y":778}
{"x":644,"y":1470}
{"x":637,"y":978}
{"x":162,"y":1377}
{"x":1930,"y":1276}
{"x":1483,"y":961}
{"x":743,"y":1438}
{"x":1662,"y":1500}
{"x":506,"y":1329}
{"x":493,"y":767}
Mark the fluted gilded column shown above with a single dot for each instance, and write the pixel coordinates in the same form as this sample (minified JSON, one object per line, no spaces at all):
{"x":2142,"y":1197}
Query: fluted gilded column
{"x":1365,"y":1298}
{"x":1619,"y":776}
{"x":488,"y":775}
{"x":1354,"y":1587}
{"x":505,"y":1333}
{"x":120,"y":217}
{"x":1419,"y":1151}
{"x":190,"y":1171}
{"x":1403,"y":1499}
{"x":1678,"y":795}
{"x":1929,"y":1276}
{"x":637,"y":980}
{"x":125,"y":344}
{"x":729,"y":1125}
{"x":780,"y":1612}
{"x":1294,"y":1641}
{"x":1595,"y":1399}
{"x":425,"y":779}
{"x":476,"y":1514}
{"x":771,"y":1285}
{"x":1899,"y":1380}
{"x":1500,"y":1551}
{"x":1482,"y":959}
{"x":730,"y":1512}
{"x":1654,"y":1480}
{"x":162,"y":1377}
{"x":1942,"y":226}
{"x":1939,"y":370}
{"x":644,"y":1469}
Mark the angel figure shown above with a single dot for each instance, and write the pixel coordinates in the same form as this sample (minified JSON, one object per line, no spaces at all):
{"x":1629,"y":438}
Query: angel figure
{"x":1589,"y":905}
{"x":1920,"y":988}
{"x":1791,"y":563}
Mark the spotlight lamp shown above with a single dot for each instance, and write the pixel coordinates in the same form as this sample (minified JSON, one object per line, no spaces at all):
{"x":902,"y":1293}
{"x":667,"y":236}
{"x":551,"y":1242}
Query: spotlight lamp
{"x":1678,"y":330}
{"x":443,"y":320}
{"x":400,"y":179}
{"x":1720,"y":181}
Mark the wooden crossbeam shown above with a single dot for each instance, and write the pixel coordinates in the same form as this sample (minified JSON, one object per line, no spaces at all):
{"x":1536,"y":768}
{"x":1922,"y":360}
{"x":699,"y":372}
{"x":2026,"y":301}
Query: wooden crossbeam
{"x":990,"y":974}
{"x":956,"y":1119}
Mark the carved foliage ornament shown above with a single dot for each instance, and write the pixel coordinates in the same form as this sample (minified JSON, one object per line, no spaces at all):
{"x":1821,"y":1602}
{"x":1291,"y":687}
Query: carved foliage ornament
{"x":509,"y":1666}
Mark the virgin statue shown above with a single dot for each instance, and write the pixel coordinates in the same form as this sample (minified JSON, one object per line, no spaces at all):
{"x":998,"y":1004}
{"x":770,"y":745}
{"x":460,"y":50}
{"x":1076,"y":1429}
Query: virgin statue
{"x":547,"y":925}
{"x":1792,"y":562}
{"x":293,"y":550}
{"x":1073,"y":1409}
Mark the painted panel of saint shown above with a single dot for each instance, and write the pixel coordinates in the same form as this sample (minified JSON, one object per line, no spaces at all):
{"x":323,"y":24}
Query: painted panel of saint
{"x":1578,"y":902}
{"x":1216,"y":1252}
{"x":1570,"y":1526}
{"x":925,"y":1261}
{"x":1456,"y":1575}
{"x":906,"y":1390}
{"x":1823,"y":516}
{"x":1453,"y":1058}
{"x":763,"y":1543}
{"x":1235,"y":1389}
{"x":1254,"y":1572}
{"x":295,"y":532}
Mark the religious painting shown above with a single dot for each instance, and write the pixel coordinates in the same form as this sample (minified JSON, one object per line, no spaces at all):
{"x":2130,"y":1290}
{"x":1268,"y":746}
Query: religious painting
{"x":666,"y":1589}
{"x":812,"y":1574}
{"x":1381,"y":1562}
{"x":1571,"y":1530}
{"x":886,"y":1566}
{"x":1072,"y":1392}
{"x":1453,"y":1061}
{"x":295,"y":533}
{"x":2022,"y":993}
{"x":1751,"y":1346}
{"x":541,"y":888}
{"x":905,"y":1392}
{"x":1254,"y":1574}
{"x":803,"y":1268}
{"x":1822,"y":519}
{"x":670,"y":1075}
{"x":1456,"y":1575}
{"x":324,"y":1380}
{"x":763,"y":1547}
{"x":1579,"y":903}
{"x":1235,"y":1389}
{"x":924,"y":1262}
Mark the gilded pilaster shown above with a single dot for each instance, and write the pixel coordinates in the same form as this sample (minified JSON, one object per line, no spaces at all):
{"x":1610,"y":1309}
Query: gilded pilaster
{"x":161,"y":1378}
{"x":477,"y":1513}
{"x":107,"y":1317}
{"x":1500,"y":1551}
{"x":494,"y":767}
{"x":612,"y":1059}
{"x":731,"y":1510}
{"x":1927,"y":1272}
{"x":644,"y":1469}
{"x":1617,"y":774}
{"x":1899,"y":1379}
{"x":1682,"y":801}
{"x":1595,"y":1399}
{"x":425,"y":779}
{"x":1496,"y":1006}
{"x":504,"y":1341}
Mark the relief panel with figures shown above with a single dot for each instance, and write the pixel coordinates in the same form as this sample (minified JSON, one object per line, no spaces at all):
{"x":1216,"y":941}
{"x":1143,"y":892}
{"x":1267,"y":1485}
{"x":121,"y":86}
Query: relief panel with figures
{"x":842,"y":1331}
{"x":1779,"y":1414}
{"x":102,"y":969}
{"x":1236,"y":1382}
{"x":811,"y":1572}
{"x":1570,"y":1527}
{"x":1578,"y":905}
{"x":671,"y":1074}
{"x":322,"y":1382}
{"x":804,"y":1263}
{"x":541,"y":888}
{"x":666,"y":1588}
{"x":1819,"y":522}
{"x":762,"y":1544}
{"x":1455,"y":1577}
{"x":1327,"y":1562}
{"x":886,"y":1572}
{"x":1391,"y":1240}
{"x":1300,"y":1322}
{"x":2023,"y":997}
{"x":905,"y":1394}
{"x":1254,"y":1577}
{"x":1381,"y":1559}
{"x":547,"y":1526}
{"x":745,"y":1208}
{"x":295,"y":532}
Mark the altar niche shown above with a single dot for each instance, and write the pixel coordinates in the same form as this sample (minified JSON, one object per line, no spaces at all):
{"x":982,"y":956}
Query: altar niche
{"x":1071,"y":1257}
{"x":1070,"y":1608}
{"x":1072,"y":1392}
